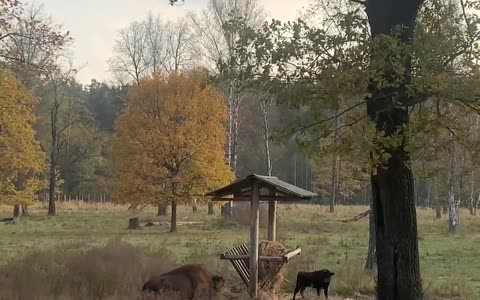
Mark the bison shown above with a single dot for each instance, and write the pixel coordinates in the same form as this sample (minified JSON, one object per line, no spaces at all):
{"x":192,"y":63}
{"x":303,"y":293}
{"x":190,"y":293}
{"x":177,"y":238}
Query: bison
{"x":316,"y":279}
{"x":191,"y":282}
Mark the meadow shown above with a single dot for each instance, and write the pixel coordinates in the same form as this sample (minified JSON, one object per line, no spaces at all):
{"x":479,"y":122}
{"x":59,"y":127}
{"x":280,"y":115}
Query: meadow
{"x":87,"y":252}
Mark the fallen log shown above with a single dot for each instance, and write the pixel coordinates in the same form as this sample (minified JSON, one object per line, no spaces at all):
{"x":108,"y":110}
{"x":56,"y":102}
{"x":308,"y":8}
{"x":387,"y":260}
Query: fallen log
{"x":357,"y":217}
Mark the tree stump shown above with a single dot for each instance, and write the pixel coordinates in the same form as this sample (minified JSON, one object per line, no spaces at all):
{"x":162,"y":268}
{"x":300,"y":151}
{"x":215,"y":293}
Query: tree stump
{"x":134,"y":223}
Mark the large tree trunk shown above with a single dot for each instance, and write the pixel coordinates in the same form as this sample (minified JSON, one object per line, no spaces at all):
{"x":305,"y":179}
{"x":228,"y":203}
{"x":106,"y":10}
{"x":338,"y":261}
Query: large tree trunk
{"x":173,"y":222}
{"x":453,"y":203}
{"x":394,"y":210}
{"x":161,"y":210}
{"x":17,"y":213}
{"x":371,"y":264}
{"x":211,"y":210}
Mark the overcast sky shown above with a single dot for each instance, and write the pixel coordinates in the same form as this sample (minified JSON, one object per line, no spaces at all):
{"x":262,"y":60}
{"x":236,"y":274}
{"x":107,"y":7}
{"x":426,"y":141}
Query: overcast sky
{"x":94,"y":23}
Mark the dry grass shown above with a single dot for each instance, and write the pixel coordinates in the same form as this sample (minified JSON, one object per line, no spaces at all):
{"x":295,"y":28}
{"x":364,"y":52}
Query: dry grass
{"x":72,"y":256}
{"x":242,"y":213}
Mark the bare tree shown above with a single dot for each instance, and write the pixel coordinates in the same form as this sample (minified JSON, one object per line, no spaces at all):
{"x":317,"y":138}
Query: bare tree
{"x":179,"y":54}
{"x":129,"y":62}
{"x":152,"y":47}
{"x":156,"y":38}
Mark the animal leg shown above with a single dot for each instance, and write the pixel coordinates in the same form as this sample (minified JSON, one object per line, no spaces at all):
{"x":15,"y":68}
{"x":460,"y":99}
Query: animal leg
{"x":325,"y":292}
{"x":303,"y":290}
{"x":297,"y":288}
{"x":318,"y":291}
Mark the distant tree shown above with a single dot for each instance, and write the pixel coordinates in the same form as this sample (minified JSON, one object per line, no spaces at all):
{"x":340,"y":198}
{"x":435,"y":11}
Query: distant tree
{"x":172,"y":129}
{"x":150,"y":47}
{"x":129,"y":63}
{"x":32,"y":44}
{"x":22,"y":161}
{"x":67,"y":128}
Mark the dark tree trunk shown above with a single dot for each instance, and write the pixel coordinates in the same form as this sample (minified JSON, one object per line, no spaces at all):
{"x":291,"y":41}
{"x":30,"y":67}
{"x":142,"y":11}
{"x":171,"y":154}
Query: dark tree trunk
{"x":194,"y":209}
{"x":173,"y":222}
{"x":394,"y":210}
{"x":52,"y":208}
{"x":211,"y":210}
{"x":161,"y":210}
{"x":371,"y":264}
{"x":444,"y":209}
{"x":438,"y":212}
{"x":17,"y":213}
{"x":134,"y":223}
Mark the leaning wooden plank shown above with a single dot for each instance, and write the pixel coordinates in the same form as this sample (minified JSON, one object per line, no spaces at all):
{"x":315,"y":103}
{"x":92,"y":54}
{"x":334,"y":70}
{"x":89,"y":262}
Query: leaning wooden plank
{"x":240,"y":272}
{"x":264,"y":258}
{"x":241,"y":265}
{"x":291,"y":254}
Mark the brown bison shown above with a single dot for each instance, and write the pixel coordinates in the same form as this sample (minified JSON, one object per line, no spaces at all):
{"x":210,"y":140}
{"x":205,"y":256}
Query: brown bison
{"x":316,"y":279}
{"x":190,"y":282}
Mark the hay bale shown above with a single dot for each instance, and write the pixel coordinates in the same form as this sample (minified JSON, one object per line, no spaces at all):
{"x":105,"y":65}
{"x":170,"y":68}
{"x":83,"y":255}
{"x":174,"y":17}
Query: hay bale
{"x":269,"y":248}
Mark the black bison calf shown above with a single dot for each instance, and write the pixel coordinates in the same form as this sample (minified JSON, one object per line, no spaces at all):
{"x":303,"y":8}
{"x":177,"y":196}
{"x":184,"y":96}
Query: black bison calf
{"x":317,"y":279}
{"x":191,"y":282}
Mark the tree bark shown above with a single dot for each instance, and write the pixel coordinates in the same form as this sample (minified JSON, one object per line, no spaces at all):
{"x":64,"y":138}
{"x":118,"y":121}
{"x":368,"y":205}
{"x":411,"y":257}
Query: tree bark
{"x":266,"y":137}
{"x":394,"y":208}
{"x":472,"y":193}
{"x":161,"y":210}
{"x":438,"y":212}
{"x":453,"y":203}
{"x":211,"y":210}
{"x":371,"y":264}
{"x":173,"y":222}
{"x":477,"y":205}
{"x":17,"y":213}
{"x":52,"y":208}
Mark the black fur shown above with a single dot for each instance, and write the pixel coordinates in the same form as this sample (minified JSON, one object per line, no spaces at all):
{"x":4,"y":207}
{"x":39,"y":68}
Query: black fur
{"x":317,"y":279}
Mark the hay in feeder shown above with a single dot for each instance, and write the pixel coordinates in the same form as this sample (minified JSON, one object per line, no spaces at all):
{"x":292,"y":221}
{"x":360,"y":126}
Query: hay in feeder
{"x":269,"y":248}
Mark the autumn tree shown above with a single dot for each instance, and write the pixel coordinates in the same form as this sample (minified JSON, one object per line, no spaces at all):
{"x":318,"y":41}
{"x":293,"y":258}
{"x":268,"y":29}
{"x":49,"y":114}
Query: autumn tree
{"x":22,"y":161}
{"x":172,"y":129}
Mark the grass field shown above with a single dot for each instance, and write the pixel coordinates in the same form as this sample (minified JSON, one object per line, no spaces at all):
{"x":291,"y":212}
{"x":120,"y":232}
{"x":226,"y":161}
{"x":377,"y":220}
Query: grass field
{"x":43,"y":255}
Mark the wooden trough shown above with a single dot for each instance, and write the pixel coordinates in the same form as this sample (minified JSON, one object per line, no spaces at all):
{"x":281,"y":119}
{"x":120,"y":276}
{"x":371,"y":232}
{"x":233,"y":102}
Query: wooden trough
{"x":256,"y":188}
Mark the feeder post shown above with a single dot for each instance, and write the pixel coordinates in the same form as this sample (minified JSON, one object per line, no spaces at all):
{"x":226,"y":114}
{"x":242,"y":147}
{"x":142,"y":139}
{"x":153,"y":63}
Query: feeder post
{"x":254,"y":224}
{"x":272,"y":216}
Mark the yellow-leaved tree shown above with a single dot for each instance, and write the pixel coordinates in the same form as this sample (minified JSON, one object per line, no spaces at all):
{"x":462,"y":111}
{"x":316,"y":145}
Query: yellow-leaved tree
{"x":21,"y":159}
{"x":170,"y":143}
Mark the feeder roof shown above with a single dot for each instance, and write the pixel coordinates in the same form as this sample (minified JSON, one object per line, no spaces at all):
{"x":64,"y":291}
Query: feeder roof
{"x":271,"y":188}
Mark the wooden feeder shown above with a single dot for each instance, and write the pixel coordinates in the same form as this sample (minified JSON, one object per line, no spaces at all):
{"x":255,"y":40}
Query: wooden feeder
{"x":256,"y":188}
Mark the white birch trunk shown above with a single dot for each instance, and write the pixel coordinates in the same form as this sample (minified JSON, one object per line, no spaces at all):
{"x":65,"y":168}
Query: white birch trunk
{"x":453,"y":213}
{"x":266,"y":136}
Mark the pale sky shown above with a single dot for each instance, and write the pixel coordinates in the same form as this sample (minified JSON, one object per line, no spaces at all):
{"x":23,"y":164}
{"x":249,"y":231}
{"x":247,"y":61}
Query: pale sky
{"x":94,"y":24}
